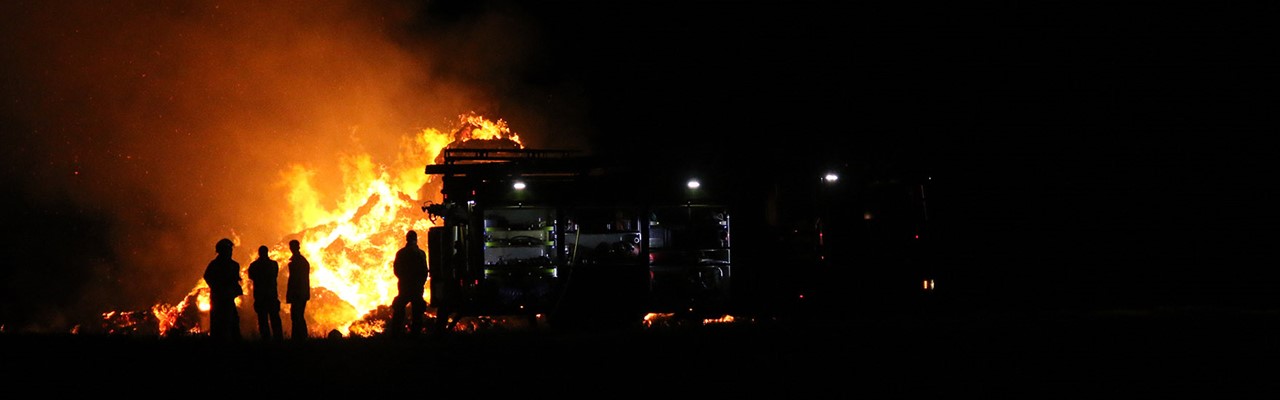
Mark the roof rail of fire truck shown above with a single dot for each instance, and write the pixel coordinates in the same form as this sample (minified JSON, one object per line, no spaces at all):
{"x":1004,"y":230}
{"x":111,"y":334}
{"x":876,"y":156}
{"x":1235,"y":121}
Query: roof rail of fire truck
{"x":507,"y":161}
{"x":467,"y":156}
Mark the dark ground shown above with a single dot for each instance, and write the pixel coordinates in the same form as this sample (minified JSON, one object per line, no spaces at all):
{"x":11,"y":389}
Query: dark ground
{"x":1154,"y":352}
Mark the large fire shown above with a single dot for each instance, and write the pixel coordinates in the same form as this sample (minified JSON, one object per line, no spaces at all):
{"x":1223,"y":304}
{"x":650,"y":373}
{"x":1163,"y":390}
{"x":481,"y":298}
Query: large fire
{"x":350,"y":246}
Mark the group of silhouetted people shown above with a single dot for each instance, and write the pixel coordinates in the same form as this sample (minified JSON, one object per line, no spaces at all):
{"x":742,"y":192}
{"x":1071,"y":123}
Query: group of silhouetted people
{"x":223,"y":278}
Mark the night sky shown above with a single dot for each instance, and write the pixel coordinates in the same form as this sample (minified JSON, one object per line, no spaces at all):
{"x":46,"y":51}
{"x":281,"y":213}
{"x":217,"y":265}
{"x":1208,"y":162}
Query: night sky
{"x":1078,"y":150}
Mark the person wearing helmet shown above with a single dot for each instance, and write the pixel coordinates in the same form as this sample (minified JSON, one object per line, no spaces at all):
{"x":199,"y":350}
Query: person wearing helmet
{"x":222,"y":275}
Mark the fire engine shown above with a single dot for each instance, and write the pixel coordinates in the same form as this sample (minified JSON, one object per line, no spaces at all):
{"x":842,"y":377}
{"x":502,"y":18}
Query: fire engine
{"x":857,"y":240}
{"x":574,"y":239}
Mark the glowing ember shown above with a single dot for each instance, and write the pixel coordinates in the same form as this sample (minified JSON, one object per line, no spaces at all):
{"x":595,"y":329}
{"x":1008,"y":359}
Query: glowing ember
{"x":652,"y":320}
{"x":350,"y":246}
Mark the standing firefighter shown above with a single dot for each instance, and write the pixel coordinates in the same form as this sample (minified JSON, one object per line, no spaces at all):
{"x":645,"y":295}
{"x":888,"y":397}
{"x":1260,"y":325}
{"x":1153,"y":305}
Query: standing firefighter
{"x":299,"y":290}
{"x":410,"y":267}
{"x":266,"y":298}
{"x":222,"y":275}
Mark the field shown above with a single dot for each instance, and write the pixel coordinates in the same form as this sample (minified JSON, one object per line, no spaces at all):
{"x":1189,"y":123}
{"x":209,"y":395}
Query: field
{"x":1150,"y":352}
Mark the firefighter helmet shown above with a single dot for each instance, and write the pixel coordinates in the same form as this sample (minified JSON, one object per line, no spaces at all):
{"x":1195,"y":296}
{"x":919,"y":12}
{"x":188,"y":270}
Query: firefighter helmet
{"x":223,"y":246}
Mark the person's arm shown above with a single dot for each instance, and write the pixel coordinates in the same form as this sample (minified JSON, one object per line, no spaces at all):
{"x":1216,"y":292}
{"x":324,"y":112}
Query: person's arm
{"x":235,"y":272}
{"x":397,"y":266}
{"x":208,"y":272}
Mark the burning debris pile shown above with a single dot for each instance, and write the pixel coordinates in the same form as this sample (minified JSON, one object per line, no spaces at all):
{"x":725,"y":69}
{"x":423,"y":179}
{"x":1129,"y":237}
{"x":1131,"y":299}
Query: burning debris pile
{"x":130,"y":323}
{"x":350,"y":245}
{"x":375,"y":322}
{"x":184,"y":318}
{"x":372,"y":323}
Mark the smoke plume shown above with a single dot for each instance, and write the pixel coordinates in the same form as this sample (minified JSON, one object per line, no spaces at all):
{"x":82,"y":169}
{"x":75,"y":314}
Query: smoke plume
{"x":139,"y":133}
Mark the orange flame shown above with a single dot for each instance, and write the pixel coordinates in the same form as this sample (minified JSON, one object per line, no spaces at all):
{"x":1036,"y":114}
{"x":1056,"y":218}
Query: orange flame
{"x":351,"y":246}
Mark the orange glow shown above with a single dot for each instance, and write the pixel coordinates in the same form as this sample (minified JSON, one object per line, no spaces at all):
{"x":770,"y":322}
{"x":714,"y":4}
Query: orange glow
{"x":660,"y":319}
{"x":724,"y":319}
{"x":651,"y":318}
{"x":351,"y":245}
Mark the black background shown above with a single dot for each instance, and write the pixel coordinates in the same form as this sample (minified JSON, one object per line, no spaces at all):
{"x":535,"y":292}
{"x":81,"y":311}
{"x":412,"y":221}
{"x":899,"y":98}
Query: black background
{"x":1080,"y":151}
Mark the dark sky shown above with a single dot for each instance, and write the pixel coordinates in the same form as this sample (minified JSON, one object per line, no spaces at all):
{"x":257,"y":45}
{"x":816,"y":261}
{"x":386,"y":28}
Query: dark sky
{"x":1082,"y":148}
{"x":1102,"y":146}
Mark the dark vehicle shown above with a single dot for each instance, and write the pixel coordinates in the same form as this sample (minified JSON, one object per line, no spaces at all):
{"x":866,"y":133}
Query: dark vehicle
{"x":858,"y":241}
{"x":577,"y":240}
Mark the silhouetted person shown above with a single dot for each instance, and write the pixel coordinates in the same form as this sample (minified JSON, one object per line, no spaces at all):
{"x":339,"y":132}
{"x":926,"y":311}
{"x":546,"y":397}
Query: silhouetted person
{"x":223,"y":277}
{"x":266,"y":298}
{"x":299,"y":290}
{"x":410,"y":267}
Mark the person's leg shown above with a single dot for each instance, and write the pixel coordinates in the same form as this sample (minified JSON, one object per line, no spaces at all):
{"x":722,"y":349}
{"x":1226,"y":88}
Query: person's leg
{"x":215,"y":319}
{"x":396,"y":327}
{"x":222,"y":314}
{"x":277,"y":332}
{"x":419,"y":309}
{"x":264,"y":325}
{"x":233,"y":320}
{"x":298,"y":313}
